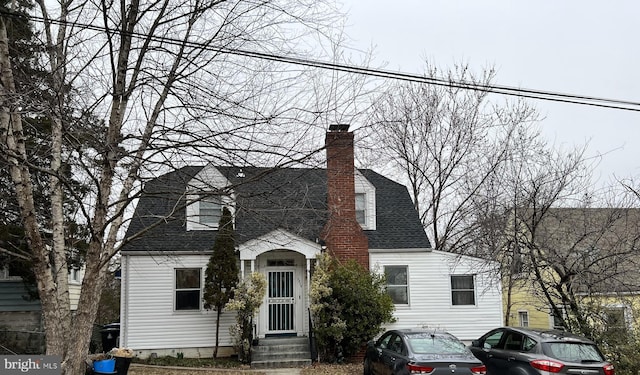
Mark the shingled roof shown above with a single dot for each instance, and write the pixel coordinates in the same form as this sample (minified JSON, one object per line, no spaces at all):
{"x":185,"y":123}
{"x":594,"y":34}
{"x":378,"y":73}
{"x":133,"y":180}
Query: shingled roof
{"x":294,"y":199}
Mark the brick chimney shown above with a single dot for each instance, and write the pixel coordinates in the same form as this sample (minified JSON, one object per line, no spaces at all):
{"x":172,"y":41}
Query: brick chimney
{"x":342,"y":233}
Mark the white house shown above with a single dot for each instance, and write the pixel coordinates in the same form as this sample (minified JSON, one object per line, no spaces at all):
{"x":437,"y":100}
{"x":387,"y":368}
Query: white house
{"x":283,"y":219}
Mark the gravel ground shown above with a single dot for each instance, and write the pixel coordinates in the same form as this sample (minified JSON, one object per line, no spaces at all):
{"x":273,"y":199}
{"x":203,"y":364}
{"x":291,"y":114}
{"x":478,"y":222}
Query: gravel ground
{"x":316,"y":369}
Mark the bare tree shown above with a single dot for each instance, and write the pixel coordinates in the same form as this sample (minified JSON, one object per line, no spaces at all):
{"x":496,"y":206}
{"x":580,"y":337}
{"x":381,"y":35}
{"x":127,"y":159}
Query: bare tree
{"x":534,"y":178}
{"x":169,"y":83}
{"x":447,"y":141}
{"x":558,"y":238}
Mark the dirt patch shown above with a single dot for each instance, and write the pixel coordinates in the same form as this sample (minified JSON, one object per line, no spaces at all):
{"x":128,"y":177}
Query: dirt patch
{"x":316,"y":369}
{"x":322,"y":369}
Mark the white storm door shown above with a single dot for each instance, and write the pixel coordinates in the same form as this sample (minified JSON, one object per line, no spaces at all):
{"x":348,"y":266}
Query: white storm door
{"x":281,"y":302}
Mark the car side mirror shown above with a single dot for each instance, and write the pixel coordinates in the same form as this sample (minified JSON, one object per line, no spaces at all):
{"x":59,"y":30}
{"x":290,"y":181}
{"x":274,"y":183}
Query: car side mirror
{"x":475,"y":343}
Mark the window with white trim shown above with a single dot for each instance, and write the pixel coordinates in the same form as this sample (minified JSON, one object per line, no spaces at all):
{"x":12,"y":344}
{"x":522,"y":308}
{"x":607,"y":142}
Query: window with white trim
{"x":557,"y":318}
{"x":523,"y":318}
{"x":463,"y":292}
{"x":210,"y":211}
{"x":615,"y":319}
{"x":361,"y":208}
{"x":74,"y":274}
{"x":188,"y":287}
{"x":397,"y":284}
{"x":365,"y":196}
{"x":204,"y":211}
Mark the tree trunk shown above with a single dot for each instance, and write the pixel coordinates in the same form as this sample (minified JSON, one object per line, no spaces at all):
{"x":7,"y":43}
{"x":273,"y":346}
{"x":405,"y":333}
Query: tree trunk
{"x":92,"y":286}
{"x":47,"y":279}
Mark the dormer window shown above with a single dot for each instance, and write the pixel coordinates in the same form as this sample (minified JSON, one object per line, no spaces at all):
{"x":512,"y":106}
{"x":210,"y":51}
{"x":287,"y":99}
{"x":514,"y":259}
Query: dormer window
{"x":210,"y":211}
{"x":204,"y":212}
{"x":365,"y":195}
{"x":361,"y":208}
{"x":207,"y":195}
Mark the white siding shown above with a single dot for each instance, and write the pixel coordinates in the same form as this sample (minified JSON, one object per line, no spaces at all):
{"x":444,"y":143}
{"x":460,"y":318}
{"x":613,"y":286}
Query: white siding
{"x":148,"y":317}
{"x":430,"y":292}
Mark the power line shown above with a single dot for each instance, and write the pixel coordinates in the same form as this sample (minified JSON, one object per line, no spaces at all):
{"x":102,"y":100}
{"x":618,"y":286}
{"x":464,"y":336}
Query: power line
{"x":401,"y":76}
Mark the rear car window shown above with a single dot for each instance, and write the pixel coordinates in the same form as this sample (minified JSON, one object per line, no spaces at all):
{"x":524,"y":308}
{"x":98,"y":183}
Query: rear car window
{"x":529,"y":344}
{"x":572,"y":351}
{"x":427,"y":344}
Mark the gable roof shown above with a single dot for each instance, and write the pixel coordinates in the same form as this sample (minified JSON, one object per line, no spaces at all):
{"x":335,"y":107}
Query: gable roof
{"x":293,"y":199}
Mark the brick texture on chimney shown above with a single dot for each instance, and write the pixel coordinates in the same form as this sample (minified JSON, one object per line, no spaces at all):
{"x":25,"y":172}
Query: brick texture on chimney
{"x":342,"y":233}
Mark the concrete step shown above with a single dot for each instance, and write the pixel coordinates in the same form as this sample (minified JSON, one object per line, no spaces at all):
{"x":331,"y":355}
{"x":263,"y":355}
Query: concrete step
{"x":281,"y":352}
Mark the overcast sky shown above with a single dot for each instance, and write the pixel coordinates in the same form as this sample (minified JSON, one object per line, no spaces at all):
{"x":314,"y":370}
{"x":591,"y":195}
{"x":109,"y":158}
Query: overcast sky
{"x":579,"y":47}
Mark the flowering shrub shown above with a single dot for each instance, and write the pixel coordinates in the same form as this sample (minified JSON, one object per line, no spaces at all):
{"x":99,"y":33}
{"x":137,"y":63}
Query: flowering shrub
{"x":247,"y":300}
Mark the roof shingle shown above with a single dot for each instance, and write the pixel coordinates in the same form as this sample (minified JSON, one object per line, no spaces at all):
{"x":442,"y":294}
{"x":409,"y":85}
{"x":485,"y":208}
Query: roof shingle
{"x":293,"y":199}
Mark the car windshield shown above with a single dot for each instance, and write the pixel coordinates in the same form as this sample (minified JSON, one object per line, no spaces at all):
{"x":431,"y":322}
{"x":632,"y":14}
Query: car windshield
{"x":433,"y":344}
{"x":572,"y":351}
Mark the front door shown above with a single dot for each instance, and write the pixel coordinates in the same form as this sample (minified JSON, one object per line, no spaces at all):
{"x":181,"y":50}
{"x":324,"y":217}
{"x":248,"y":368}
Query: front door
{"x":281,"y":302}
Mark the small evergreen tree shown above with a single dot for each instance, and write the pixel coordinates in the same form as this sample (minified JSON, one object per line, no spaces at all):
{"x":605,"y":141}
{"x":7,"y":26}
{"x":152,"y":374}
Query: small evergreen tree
{"x":349,"y":305}
{"x":222,"y":271}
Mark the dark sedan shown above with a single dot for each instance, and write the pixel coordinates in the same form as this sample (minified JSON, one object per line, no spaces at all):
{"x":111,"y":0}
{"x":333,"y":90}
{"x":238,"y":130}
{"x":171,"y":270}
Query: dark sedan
{"x":518,"y":351}
{"x":404,"y":351}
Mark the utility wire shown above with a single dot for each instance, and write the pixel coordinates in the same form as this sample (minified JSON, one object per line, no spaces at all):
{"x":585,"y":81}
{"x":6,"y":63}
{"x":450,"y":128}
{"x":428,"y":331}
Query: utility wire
{"x":401,"y":76}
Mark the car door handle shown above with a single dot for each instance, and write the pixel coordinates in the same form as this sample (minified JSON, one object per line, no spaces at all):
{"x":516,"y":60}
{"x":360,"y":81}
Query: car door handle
{"x":489,"y":355}
{"x":511,"y":358}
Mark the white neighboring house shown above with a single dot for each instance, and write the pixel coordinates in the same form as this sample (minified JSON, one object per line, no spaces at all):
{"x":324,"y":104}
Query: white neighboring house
{"x":283,"y":219}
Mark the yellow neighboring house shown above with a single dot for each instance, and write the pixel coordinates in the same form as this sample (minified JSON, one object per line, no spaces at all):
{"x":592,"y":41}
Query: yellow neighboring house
{"x":523,"y":307}
{"x":596,"y":254}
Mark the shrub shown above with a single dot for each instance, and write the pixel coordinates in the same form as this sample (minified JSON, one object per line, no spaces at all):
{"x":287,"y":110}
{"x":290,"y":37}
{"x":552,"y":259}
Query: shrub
{"x":349,"y":305}
{"x":246,"y":302}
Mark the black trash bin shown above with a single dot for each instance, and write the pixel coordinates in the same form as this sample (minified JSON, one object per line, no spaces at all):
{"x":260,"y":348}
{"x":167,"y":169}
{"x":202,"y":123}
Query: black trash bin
{"x":122,"y":365}
{"x":110,"y":335}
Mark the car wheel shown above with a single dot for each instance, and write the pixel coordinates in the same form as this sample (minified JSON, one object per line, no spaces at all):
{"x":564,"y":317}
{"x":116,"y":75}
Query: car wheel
{"x":367,"y":367}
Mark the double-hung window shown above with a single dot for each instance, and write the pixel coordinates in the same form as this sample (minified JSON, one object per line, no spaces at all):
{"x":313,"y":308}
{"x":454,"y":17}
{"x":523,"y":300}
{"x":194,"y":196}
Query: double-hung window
{"x":557,"y":318}
{"x":361,"y":208}
{"x":187,"y":288}
{"x":365,"y":202}
{"x":614,"y":318}
{"x":463,"y":290}
{"x":210,"y":211}
{"x":205,"y":210}
{"x":523,"y":318}
{"x":397,"y":284}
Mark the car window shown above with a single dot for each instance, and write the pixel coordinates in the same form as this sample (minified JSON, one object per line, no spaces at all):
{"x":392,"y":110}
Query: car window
{"x":383,"y":342}
{"x":572,"y":351}
{"x":492,"y":340}
{"x":435,"y":344}
{"x":395,"y":344}
{"x":529,"y":343}
{"x":513,"y":341}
